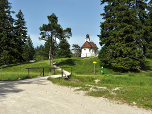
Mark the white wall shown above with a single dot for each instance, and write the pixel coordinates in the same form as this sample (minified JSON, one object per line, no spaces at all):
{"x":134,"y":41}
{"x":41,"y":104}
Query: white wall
{"x":88,"y":52}
{"x":85,"y":50}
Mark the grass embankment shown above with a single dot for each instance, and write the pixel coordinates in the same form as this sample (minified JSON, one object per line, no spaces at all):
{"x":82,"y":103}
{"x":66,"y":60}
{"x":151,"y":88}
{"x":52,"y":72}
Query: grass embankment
{"x":19,"y":71}
{"x":132,"y":88}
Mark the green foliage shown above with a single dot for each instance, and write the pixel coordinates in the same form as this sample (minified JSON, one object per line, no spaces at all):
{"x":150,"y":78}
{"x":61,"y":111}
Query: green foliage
{"x":7,"y":37}
{"x":149,"y":50}
{"x":28,"y":50}
{"x":64,"y":50}
{"x":77,"y":50}
{"x":47,"y":48}
{"x":147,"y":32}
{"x":51,"y":31}
{"x":122,"y":36}
{"x":21,"y":35}
{"x":12,"y":35}
{"x":39,"y":53}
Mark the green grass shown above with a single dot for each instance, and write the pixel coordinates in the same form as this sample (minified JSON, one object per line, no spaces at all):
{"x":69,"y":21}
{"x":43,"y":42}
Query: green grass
{"x":16,"y":71}
{"x":134,"y":87}
{"x":82,"y":66}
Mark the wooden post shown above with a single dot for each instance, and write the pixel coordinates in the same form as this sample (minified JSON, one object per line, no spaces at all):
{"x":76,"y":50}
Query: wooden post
{"x":50,"y":72}
{"x":94,"y":68}
{"x":28,"y":72}
{"x":71,"y":70}
{"x":43,"y":72}
{"x":54,"y":71}
{"x":62,"y":72}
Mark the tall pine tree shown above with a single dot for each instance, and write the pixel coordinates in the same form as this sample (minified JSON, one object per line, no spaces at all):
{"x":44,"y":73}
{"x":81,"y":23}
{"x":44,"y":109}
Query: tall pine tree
{"x":20,"y":31}
{"x":148,"y":32}
{"x":47,"y":48}
{"x":121,"y":36}
{"x":7,"y":37}
{"x":53,"y":30}
{"x":64,"y":49}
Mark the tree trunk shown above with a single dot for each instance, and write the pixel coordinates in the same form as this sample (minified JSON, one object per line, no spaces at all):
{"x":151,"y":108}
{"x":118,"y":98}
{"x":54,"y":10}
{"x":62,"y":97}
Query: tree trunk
{"x":75,"y":52}
{"x":50,"y":52}
{"x":135,"y":3}
{"x":52,"y":59}
{"x":49,"y":57}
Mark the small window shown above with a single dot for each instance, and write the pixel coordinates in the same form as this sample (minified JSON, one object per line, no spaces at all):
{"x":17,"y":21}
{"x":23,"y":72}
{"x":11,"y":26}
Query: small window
{"x":84,"y":49}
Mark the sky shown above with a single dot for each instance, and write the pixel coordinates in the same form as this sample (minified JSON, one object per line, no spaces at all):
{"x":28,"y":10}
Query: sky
{"x":82,"y":16}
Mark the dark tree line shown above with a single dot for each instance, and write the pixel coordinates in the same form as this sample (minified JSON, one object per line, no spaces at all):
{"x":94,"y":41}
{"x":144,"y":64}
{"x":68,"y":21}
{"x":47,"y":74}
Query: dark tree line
{"x":13,"y":36}
{"x":126,"y":34}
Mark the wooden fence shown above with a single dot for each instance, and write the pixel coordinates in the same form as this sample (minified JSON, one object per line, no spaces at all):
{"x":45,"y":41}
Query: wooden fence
{"x":49,"y":68}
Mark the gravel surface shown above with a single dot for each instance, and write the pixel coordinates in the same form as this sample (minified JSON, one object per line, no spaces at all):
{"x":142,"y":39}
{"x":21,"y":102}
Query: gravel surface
{"x":40,"y":96}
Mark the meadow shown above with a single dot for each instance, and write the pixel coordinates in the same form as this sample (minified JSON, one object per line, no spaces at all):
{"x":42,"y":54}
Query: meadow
{"x":134,"y":88}
{"x":18,"y":71}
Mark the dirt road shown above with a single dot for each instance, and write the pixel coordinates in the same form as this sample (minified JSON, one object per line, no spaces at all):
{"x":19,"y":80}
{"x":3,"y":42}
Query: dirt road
{"x":40,"y":96}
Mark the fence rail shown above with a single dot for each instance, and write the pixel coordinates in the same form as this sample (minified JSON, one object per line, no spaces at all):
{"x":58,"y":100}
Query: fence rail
{"x":49,"y":68}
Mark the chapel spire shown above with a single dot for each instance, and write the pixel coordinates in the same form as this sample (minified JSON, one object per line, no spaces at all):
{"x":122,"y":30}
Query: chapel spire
{"x":87,"y":38}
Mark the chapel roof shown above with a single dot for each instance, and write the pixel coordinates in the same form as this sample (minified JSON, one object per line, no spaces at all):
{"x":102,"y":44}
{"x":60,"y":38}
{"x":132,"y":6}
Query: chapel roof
{"x":89,"y":44}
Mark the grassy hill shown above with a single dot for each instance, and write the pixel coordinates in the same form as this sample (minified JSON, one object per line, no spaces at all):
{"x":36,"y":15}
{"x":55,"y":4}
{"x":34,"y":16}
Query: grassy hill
{"x":16,"y":71}
{"x":85,"y":66}
{"x":80,"y":66}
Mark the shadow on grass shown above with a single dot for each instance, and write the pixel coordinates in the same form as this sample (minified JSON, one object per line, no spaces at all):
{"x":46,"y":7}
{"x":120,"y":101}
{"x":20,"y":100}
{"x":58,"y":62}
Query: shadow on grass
{"x":11,"y":65}
{"x":146,"y":68}
{"x":70,"y":62}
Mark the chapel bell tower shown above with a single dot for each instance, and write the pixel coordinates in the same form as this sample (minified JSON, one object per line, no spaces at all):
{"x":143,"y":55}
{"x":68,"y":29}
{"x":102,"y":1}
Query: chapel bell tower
{"x":87,"y":38}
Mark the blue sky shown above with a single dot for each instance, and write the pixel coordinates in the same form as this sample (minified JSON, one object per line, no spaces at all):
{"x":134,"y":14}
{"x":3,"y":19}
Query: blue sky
{"x":81,"y":16}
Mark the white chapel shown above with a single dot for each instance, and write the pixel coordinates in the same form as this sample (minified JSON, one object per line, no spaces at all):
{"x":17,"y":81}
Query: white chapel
{"x":89,"y":49}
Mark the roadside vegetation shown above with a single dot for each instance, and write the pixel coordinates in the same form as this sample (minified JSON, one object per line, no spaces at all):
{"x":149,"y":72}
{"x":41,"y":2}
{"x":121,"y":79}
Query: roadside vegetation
{"x":134,"y":88}
{"x":19,"y":71}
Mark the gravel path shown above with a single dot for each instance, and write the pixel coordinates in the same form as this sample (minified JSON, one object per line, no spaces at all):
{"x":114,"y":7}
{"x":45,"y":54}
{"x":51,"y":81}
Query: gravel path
{"x":40,"y":96}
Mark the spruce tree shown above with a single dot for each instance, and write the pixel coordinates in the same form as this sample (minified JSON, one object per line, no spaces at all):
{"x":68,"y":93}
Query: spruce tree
{"x":121,"y":36}
{"x":20,"y":33}
{"x":7,"y":37}
{"x":148,"y":32}
{"x":64,"y":49}
{"x":28,"y":50}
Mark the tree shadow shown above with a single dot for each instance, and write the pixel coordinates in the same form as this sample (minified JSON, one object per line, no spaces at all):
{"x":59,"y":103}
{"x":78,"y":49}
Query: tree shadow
{"x":70,"y":62}
{"x":11,"y":65}
{"x":146,"y":68}
{"x":8,"y":87}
